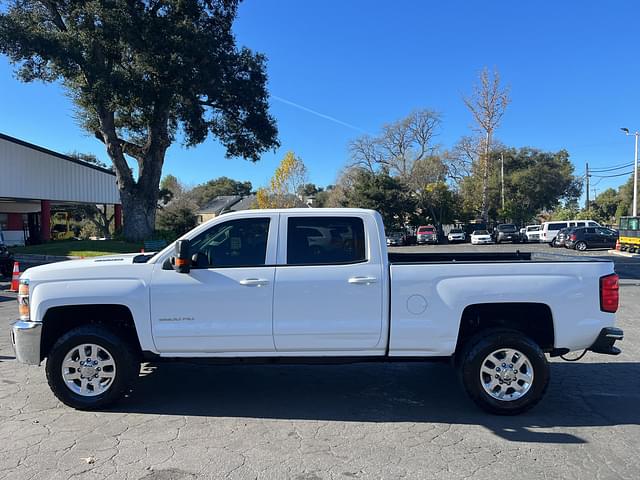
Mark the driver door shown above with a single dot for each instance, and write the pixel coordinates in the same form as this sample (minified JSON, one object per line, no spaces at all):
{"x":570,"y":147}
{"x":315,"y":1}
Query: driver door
{"x":224,"y":304}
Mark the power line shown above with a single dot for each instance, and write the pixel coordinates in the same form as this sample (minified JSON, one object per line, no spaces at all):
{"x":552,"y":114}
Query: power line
{"x":611,"y":168}
{"x":611,"y":176}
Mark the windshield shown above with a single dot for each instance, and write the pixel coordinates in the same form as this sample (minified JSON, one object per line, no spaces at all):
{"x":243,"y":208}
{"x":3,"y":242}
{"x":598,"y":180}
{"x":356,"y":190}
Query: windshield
{"x":480,"y":232}
{"x":507,"y":228}
{"x":533,"y":228}
{"x":455,"y":230}
{"x":426,"y":230}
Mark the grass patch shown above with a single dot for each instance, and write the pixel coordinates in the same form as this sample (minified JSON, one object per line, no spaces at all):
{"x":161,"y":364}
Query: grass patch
{"x":80,"y":248}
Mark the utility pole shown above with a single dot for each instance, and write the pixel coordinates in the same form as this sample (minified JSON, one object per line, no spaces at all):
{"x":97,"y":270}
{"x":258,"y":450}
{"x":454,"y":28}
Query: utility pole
{"x":587,"y":205}
{"x":635,"y":172}
{"x":502,"y":177}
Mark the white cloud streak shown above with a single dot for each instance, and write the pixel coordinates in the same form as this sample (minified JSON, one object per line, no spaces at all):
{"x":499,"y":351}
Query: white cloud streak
{"x":318,"y":114}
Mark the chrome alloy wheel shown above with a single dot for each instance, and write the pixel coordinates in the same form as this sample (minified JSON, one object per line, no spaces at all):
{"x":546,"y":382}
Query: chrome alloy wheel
{"x":506,"y":374}
{"x":88,"y":370}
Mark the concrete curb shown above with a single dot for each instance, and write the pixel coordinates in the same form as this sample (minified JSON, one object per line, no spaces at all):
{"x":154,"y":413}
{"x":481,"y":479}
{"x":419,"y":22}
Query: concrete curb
{"x":624,"y":254}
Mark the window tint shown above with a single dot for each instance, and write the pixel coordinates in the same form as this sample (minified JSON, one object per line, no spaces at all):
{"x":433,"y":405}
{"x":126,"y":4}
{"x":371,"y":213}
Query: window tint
{"x":633,"y":223}
{"x":556,"y":226}
{"x":582,"y":224}
{"x":593,"y":224}
{"x":624,"y":223}
{"x":590,"y":230}
{"x":325,"y":240}
{"x":236,"y":243}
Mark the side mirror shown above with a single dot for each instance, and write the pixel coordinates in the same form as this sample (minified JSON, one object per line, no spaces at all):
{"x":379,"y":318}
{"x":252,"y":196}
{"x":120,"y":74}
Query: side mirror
{"x":182,"y":262}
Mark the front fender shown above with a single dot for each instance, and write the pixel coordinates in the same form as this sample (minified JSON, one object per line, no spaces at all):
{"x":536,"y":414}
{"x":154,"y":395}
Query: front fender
{"x":128,"y":292}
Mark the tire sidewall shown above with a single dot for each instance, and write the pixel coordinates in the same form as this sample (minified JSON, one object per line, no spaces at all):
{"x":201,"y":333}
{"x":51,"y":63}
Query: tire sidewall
{"x":475,"y":356}
{"x":118,"y":348}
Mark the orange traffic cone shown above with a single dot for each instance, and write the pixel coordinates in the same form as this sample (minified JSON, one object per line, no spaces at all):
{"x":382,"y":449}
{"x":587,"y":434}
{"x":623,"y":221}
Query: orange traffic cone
{"x":15,"y":278}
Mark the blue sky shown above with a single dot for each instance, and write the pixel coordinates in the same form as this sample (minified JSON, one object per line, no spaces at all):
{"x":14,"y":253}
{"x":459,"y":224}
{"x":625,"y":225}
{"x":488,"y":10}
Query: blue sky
{"x":572,"y":68}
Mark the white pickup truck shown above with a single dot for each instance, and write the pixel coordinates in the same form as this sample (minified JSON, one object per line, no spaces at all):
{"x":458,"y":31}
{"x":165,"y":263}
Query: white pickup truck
{"x":312,"y":285}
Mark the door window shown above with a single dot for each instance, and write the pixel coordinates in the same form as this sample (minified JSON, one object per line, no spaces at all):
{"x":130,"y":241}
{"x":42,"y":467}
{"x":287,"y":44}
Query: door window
{"x":236,"y":243}
{"x":325,"y":240}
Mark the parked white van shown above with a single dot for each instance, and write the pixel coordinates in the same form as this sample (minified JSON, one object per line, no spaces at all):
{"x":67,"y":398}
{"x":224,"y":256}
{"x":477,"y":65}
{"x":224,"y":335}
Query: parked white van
{"x":550,"y":230}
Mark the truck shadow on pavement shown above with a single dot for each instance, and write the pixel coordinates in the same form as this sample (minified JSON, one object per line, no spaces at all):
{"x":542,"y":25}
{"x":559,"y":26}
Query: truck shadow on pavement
{"x":579,"y":395}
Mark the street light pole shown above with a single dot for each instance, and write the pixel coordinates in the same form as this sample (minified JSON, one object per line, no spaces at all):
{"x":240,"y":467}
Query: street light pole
{"x":635,"y":173}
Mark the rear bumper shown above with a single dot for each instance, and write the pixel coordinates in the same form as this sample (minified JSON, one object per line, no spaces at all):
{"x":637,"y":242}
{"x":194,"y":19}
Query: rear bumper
{"x":605,"y":342}
{"x":25,"y":339}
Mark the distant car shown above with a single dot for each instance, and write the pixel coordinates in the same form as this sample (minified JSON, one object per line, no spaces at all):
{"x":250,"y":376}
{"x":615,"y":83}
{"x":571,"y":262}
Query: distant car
{"x":549,"y":230}
{"x":427,"y":234}
{"x":456,"y":235}
{"x":561,"y":237}
{"x":396,"y":239}
{"x":480,"y":237}
{"x":530,"y":233}
{"x":591,"y":237}
{"x":506,"y":232}
{"x":6,"y":261}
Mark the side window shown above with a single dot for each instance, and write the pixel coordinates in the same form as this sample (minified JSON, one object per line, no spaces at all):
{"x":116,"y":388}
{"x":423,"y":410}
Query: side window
{"x":593,"y":224}
{"x":557,"y":226}
{"x":325,"y":240}
{"x":582,"y":224}
{"x":633,"y":223}
{"x":236,"y":243}
{"x":624,"y":223}
{"x":590,"y":230}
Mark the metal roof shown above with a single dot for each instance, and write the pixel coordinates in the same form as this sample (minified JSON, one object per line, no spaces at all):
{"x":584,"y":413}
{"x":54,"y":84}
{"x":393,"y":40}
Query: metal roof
{"x":28,"y":171}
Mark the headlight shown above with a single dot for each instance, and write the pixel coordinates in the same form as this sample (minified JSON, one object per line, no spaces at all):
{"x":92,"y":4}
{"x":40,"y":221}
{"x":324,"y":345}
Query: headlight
{"x":23,"y":300}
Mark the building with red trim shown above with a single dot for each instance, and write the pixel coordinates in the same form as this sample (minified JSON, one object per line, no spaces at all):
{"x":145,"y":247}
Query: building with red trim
{"x":34,"y":181}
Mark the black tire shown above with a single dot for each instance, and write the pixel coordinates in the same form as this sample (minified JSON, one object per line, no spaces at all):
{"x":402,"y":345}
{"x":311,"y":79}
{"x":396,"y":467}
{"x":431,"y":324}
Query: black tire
{"x":480,"y":347}
{"x":580,"y":246}
{"x":127,"y":366}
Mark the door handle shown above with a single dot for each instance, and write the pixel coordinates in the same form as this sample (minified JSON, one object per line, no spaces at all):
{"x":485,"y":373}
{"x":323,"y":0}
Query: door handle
{"x":362,"y":280}
{"x":254,"y":282}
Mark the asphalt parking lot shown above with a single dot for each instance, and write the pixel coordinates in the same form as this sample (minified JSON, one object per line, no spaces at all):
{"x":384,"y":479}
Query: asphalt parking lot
{"x":370,"y":421}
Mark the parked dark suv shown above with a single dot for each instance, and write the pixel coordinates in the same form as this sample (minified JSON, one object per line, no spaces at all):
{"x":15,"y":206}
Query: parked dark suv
{"x":581,"y":238}
{"x":506,"y":232}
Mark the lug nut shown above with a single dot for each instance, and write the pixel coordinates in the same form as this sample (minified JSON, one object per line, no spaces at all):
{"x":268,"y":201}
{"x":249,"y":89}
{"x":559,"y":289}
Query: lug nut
{"x":511,"y":365}
{"x":497,"y":369}
{"x":504,"y":365}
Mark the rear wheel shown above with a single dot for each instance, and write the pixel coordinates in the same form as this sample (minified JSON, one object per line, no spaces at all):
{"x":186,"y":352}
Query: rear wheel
{"x":504,"y":372}
{"x":90,"y":367}
{"x":581,"y":246}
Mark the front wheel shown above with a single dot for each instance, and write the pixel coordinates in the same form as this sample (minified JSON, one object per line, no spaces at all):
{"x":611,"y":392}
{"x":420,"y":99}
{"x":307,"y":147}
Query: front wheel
{"x":504,"y":372}
{"x":90,"y":367}
{"x":581,"y":246}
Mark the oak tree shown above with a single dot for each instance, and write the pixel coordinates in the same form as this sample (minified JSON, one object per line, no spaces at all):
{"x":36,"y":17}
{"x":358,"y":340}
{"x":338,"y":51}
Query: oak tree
{"x":141,"y":74}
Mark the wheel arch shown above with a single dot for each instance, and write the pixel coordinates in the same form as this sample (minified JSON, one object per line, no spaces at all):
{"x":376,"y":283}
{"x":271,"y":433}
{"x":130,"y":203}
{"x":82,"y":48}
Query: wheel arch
{"x":61,"y":319}
{"x":532,"y":319}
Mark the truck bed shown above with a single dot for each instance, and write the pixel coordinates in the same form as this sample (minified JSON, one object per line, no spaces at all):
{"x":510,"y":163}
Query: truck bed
{"x":401,"y":258}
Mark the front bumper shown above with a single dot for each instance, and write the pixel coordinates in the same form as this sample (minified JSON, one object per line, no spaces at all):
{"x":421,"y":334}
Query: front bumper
{"x":25,"y":338}
{"x":606,"y":338}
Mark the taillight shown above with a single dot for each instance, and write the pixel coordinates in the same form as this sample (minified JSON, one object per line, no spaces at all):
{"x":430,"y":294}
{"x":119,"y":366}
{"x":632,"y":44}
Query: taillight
{"x":609,"y":293}
{"x":573,"y":237}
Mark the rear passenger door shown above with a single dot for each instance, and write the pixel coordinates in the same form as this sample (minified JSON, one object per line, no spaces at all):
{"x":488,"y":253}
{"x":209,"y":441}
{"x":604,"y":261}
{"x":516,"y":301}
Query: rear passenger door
{"x":328,"y":293}
{"x":607,"y":238}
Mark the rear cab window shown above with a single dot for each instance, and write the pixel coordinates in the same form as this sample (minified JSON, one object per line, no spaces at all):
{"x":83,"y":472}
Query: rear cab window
{"x":325,"y":240}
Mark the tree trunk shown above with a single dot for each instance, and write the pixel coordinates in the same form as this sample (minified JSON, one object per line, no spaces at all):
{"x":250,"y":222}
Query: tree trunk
{"x":139,"y":212}
{"x":485,"y":180}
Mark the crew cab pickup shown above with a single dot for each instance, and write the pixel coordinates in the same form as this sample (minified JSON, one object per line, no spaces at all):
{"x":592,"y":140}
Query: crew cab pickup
{"x":312,"y":285}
